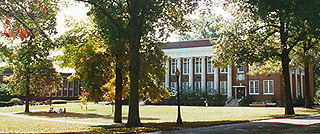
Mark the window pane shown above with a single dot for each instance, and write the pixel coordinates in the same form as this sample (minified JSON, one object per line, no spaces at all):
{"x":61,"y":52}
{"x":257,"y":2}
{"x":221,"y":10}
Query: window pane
{"x":210,"y":66}
{"x":271,"y":87}
{"x":185,"y":66}
{"x":256,"y":84}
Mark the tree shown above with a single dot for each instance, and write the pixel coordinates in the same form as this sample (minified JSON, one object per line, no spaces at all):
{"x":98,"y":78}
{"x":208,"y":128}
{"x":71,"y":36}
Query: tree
{"x":202,"y":27}
{"x":84,"y":50}
{"x":131,"y":21}
{"x":32,"y":22}
{"x":306,"y":52}
{"x":264,"y":30}
{"x":82,"y":47}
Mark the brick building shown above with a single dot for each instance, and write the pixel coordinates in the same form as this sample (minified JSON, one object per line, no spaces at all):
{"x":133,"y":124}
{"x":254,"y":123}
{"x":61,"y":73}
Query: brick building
{"x":192,"y":59}
{"x":70,"y":90}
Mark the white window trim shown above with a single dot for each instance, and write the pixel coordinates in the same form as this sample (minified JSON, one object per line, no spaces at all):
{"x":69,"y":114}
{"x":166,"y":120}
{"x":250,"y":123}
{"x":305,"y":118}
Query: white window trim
{"x":223,"y":72}
{"x":61,"y":92}
{"x":211,"y":64}
{"x":197,"y":66}
{"x":186,"y":69}
{"x":174,"y":85}
{"x":173,"y":69}
{"x":225,"y":83}
{"x":185,"y":85}
{"x":239,"y":70}
{"x":199,"y":85}
{"x":264,"y":90}
{"x":254,"y":87}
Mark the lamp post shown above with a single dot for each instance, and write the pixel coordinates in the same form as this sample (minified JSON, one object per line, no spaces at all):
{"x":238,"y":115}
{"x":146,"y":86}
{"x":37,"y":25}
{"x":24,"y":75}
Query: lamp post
{"x":179,"y":120}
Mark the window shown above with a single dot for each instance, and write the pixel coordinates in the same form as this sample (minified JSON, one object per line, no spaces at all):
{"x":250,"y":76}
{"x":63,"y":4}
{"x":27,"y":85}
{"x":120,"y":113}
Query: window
{"x":223,"y":70}
{"x":173,"y":66}
{"x":65,"y":88}
{"x":210,"y":66}
{"x":197,"y":85}
{"x":268,"y":87}
{"x":254,"y":86}
{"x":71,"y":89}
{"x":76,"y":88}
{"x":240,"y":69}
{"x":185,"y":85}
{"x":223,"y":87}
{"x":210,"y":87}
{"x":198,"y":66}
{"x":185,"y":68}
{"x":298,"y":88}
{"x":174,"y":85}
{"x":298,"y":71}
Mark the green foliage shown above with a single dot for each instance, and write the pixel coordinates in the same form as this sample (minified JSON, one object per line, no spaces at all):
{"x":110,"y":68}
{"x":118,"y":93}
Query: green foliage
{"x":316,"y":69}
{"x":317,"y":97}
{"x":266,"y":30}
{"x":85,"y":51}
{"x":43,"y":79}
{"x":84,"y":98}
{"x":4,"y":93}
{"x":6,"y":103}
{"x":131,"y":24}
{"x":202,"y":27}
{"x":33,"y":22}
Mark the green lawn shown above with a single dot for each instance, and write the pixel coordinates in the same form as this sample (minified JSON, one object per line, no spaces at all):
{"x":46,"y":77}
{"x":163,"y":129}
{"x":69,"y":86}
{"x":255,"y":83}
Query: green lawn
{"x":155,"y":118}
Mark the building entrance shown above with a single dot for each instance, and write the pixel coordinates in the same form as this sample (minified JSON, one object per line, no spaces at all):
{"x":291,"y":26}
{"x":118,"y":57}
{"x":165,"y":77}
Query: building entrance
{"x":240,"y":92}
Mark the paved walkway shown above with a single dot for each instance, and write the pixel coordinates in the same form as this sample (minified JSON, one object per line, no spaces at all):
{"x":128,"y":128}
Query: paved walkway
{"x":296,"y":125}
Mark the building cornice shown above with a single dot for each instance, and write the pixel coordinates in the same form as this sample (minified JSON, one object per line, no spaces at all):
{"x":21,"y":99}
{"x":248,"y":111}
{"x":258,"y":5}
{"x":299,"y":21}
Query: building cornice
{"x":189,"y":52}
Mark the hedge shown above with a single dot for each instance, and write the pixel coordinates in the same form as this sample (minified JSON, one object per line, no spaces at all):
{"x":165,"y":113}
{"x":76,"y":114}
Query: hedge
{"x":6,"y":103}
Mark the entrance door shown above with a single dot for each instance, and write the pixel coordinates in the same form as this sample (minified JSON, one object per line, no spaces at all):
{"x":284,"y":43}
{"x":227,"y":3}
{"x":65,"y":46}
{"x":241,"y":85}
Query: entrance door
{"x":240,"y":92}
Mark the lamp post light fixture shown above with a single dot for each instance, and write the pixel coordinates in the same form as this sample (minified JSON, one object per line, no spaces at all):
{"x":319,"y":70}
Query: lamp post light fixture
{"x":179,"y":120}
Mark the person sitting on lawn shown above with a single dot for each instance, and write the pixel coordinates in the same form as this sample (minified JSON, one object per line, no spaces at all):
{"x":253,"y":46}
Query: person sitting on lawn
{"x":60,"y":110}
{"x":51,"y":110}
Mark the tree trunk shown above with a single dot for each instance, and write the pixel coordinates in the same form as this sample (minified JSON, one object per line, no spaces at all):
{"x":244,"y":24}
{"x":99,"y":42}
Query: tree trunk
{"x":118,"y":97}
{"x":307,"y":98}
{"x":134,"y":40}
{"x":286,"y":83}
{"x":27,"y":109}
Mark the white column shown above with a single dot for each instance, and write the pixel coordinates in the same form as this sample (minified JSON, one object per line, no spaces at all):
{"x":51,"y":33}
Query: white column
{"x":216,"y":78}
{"x":167,"y":80}
{"x":191,"y":71}
{"x":301,"y":83}
{"x":179,"y":68}
{"x":203,"y":73}
{"x":297,"y":83}
{"x":229,"y":76}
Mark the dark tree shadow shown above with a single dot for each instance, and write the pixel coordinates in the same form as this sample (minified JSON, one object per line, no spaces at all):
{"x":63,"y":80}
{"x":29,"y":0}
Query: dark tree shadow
{"x":77,"y":115}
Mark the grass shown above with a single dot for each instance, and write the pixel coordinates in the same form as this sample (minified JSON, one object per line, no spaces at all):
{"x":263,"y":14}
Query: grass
{"x":154,"y":118}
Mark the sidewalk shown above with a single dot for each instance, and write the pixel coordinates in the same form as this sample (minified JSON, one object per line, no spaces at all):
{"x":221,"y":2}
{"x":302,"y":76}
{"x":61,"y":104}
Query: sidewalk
{"x":296,"y":125}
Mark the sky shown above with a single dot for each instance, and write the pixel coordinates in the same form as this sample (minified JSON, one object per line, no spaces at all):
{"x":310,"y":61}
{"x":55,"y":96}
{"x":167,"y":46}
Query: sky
{"x":78,"y":10}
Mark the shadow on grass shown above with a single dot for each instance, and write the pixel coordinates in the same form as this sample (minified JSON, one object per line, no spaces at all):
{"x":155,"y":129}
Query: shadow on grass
{"x":157,"y":127}
{"x":76,"y":115}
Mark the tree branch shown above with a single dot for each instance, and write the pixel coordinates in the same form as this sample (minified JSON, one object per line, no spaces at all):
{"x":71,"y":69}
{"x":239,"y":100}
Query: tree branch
{"x":113,"y":21}
{"x":268,"y":35}
{"x":35,"y":22}
{"x":269,"y":25}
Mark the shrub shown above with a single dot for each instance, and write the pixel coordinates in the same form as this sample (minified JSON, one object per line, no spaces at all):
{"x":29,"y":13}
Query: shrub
{"x":59,"y":102}
{"x":5,"y":104}
{"x":16,"y":101}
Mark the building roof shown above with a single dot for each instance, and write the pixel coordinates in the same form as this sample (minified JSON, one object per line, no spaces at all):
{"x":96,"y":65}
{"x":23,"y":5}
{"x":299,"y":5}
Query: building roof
{"x":187,"y":44}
